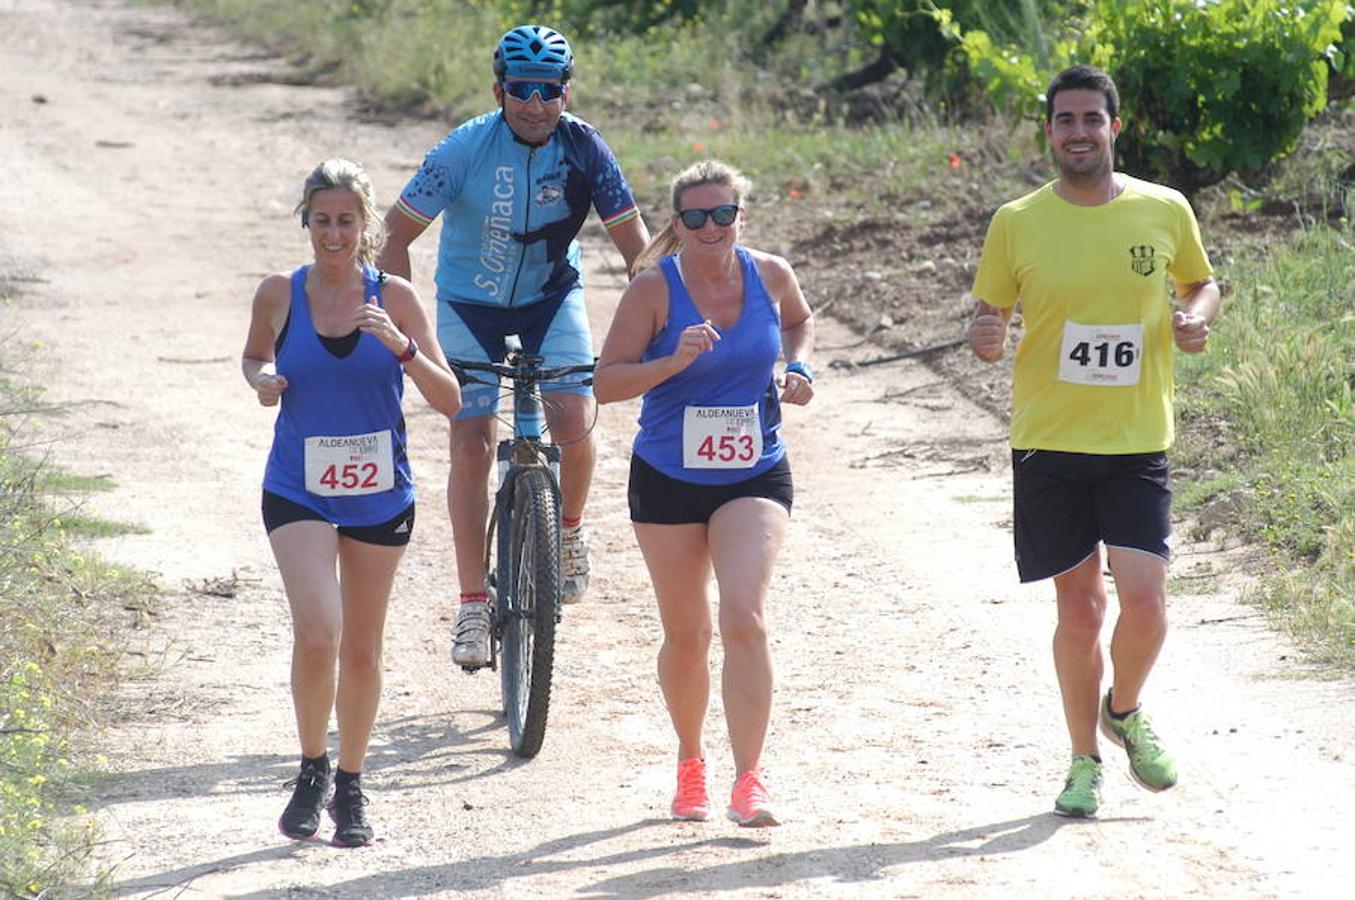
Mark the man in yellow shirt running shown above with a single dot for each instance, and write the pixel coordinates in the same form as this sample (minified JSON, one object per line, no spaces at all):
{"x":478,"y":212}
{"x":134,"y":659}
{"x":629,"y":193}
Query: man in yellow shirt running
{"x":1089,"y":257}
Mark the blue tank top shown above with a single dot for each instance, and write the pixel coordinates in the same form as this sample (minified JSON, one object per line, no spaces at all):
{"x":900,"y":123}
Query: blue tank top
{"x":339,"y":445}
{"x":694,"y":426}
{"x":511,"y":211}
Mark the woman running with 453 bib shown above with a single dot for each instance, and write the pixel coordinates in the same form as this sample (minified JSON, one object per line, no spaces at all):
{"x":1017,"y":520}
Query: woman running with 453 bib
{"x":698,"y":335}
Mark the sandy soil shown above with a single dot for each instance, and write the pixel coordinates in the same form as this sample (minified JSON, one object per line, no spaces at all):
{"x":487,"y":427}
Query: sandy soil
{"x":150,"y":167}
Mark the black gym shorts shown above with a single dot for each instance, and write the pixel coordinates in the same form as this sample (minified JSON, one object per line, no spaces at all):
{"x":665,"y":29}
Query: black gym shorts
{"x":1066,"y":502}
{"x":279,"y":511}
{"x":656,"y":499}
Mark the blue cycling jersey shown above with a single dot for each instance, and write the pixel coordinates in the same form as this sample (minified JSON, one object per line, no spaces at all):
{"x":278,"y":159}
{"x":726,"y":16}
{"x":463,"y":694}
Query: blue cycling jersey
{"x":511,"y":211}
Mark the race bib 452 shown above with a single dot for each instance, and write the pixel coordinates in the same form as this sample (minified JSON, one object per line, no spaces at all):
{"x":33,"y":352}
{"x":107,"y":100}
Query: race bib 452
{"x":350,"y":465}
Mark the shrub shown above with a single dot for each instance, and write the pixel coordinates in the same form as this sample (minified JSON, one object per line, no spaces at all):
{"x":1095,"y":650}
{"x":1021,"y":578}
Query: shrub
{"x":1213,"y":88}
{"x":1208,"y":87}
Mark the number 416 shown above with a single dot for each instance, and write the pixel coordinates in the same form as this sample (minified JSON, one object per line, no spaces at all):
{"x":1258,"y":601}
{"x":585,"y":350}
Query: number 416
{"x":1123,"y":354}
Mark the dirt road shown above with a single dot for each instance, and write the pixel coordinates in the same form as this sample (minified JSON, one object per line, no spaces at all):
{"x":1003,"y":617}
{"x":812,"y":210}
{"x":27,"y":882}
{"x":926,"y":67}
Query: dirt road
{"x":150,"y":168}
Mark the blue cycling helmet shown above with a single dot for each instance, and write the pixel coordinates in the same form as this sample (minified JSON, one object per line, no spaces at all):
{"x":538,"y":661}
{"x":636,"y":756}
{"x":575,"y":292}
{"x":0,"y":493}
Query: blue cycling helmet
{"x":533,"y":52}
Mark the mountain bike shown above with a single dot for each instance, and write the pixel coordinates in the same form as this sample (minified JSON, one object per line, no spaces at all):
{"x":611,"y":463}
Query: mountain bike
{"x":522,"y":545}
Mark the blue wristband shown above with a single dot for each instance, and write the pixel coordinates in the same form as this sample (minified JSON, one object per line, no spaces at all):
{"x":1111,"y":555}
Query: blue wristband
{"x":801,"y":369}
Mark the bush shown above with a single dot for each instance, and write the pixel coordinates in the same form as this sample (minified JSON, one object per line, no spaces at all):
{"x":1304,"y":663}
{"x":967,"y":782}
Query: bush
{"x":1213,"y":88}
{"x":59,"y":620}
{"x":1207,"y":88}
{"x":1273,"y":412}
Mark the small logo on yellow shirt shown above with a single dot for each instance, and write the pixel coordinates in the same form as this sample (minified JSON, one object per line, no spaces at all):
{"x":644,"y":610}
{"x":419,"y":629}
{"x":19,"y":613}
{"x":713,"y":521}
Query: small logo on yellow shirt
{"x":1142,"y":260}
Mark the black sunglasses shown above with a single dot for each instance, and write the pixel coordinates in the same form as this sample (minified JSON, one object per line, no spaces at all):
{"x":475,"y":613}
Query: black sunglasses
{"x":523,"y":90}
{"x":724,"y":215}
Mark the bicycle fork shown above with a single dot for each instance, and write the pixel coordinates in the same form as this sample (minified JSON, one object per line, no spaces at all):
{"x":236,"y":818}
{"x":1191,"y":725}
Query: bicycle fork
{"x":512,"y":457}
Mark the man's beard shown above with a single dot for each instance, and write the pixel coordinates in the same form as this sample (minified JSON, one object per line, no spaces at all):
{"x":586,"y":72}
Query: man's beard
{"x":1084,"y":171}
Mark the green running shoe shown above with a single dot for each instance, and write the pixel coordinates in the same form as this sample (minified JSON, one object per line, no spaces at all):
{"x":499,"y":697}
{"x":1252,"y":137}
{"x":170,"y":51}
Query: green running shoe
{"x":1082,"y":791}
{"x":1150,"y":765}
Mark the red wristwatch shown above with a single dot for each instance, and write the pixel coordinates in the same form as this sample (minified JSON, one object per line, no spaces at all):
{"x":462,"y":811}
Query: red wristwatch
{"x":411,"y":351}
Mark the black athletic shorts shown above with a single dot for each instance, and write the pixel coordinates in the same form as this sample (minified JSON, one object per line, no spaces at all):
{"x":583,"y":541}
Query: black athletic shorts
{"x":659,"y":500}
{"x":279,"y":511}
{"x":1066,"y":502}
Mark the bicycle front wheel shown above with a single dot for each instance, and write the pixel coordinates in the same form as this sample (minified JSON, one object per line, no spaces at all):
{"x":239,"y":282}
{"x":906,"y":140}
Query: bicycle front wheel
{"x":528,"y":649}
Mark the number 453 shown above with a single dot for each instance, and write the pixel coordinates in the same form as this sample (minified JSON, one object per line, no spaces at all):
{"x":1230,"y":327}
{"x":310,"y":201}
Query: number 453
{"x":730,"y":448}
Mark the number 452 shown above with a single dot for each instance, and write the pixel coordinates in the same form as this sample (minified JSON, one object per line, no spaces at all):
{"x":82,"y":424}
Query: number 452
{"x":352,"y":475}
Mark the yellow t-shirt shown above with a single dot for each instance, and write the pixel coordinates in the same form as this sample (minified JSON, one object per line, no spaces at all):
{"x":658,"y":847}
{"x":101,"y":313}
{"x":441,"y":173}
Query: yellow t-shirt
{"x":1094,"y":369}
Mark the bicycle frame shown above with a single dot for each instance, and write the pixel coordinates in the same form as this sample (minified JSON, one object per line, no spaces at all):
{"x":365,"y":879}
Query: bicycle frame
{"x":526,"y":449}
{"x":527,"y":572}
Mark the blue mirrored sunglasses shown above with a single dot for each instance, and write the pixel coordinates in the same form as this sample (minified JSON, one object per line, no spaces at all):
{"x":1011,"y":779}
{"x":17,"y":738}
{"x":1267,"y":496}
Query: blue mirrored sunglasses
{"x":723,"y":215}
{"x":523,"y":90}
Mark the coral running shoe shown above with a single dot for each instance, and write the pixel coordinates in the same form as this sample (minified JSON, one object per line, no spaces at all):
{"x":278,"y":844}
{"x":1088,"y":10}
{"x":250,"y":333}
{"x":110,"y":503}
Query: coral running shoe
{"x":691,"y":802}
{"x":749,"y":804}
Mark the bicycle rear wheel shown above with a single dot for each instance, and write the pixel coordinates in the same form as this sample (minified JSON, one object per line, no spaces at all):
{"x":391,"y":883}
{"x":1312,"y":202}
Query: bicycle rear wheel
{"x":528,"y":648}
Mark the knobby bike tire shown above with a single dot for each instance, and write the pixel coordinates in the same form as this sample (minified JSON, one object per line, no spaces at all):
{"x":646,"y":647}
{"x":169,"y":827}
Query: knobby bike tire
{"x":528,"y":648}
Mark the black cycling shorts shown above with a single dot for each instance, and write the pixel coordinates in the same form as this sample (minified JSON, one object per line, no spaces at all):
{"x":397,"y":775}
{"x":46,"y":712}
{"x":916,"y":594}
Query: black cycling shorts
{"x":1067,"y":502}
{"x":657,"y":499}
{"x":279,"y":511}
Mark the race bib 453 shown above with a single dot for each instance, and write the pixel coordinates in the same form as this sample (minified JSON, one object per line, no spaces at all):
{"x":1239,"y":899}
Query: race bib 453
{"x":721,"y":437}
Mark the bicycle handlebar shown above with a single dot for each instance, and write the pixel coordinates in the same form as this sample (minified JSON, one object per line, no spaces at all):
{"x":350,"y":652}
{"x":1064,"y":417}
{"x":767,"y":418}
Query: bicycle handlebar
{"x":522,"y":371}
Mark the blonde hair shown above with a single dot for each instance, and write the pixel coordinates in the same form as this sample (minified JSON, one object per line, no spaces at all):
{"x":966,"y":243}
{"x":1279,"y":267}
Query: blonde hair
{"x":707,"y":171}
{"x":344,"y":173}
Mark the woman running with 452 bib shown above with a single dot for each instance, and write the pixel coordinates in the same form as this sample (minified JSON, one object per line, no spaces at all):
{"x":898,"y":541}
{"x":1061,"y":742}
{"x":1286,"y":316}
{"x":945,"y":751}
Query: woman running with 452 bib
{"x":330,"y":344}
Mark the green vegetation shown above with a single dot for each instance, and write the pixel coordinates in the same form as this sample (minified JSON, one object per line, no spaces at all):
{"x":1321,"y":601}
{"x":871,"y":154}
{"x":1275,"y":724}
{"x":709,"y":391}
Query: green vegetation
{"x":1215,"y":88}
{"x":1270,"y":413}
{"x":1221,"y":87}
{"x":58,"y":654}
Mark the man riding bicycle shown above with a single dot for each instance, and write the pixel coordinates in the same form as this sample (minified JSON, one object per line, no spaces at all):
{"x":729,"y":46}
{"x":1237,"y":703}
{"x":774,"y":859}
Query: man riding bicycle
{"x":514,"y":187}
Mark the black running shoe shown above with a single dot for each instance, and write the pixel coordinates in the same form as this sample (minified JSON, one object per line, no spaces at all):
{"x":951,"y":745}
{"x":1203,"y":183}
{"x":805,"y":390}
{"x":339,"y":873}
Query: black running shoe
{"x":301,"y":819}
{"x":348,"y":809}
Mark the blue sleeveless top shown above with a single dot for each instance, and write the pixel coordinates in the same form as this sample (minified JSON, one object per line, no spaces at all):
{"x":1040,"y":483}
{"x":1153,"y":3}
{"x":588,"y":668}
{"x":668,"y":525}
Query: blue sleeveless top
{"x":738,"y":372}
{"x":344,"y":413}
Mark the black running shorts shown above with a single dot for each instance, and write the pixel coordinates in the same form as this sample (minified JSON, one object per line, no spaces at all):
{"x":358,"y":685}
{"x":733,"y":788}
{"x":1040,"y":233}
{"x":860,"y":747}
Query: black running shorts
{"x":657,"y":499}
{"x":1066,"y":502}
{"x":279,"y":511}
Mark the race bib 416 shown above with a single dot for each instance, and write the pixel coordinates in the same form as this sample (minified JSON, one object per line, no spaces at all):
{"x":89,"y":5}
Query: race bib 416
{"x":1101,"y":355}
